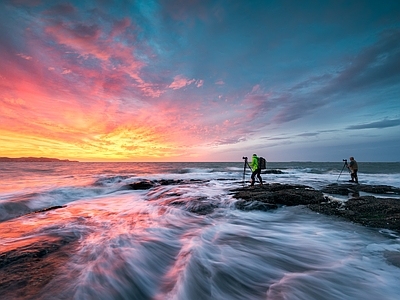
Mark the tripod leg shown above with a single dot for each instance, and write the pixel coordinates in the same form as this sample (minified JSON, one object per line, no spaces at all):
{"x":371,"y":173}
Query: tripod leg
{"x":341,"y":171}
{"x":244,"y":170}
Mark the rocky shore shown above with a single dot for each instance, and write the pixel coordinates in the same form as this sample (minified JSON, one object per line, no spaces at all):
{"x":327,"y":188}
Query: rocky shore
{"x":369,"y":205}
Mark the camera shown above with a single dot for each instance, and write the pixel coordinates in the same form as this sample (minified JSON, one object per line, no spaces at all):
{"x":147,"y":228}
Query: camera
{"x":244,"y":157}
{"x":345,"y":160}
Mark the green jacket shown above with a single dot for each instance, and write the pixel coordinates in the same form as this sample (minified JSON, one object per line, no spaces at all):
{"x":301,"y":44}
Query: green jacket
{"x":254,"y":163}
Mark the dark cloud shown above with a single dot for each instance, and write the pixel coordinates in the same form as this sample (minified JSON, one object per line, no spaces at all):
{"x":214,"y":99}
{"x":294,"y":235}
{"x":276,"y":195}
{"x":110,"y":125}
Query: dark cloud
{"x":377,"y":125}
{"x":375,"y":67}
{"x":309,"y":134}
{"x":277,"y":138}
{"x":376,"y":64}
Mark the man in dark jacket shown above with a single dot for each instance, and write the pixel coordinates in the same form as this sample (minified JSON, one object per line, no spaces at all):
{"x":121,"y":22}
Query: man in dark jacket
{"x":353,"y":167}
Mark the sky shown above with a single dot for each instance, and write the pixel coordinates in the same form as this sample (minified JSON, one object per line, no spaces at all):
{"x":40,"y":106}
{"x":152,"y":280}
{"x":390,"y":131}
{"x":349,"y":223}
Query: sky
{"x":200,"y":80}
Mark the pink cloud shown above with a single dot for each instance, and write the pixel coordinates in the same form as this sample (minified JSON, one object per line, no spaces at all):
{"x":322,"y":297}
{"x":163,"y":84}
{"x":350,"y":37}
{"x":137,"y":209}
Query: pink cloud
{"x":181,"y":81}
{"x":27,"y":57}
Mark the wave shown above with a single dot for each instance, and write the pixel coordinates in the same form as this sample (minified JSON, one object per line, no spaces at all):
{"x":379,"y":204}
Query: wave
{"x":111,"y":180}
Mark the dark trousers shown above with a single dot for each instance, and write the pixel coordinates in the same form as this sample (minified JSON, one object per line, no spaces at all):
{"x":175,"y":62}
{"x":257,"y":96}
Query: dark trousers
{"x":354,"y":176}
{"x":253,"y":176}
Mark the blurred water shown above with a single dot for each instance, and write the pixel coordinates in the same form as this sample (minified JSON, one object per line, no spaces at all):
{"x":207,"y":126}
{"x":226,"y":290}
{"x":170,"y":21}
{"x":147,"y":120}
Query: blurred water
{"x":186,"y":240}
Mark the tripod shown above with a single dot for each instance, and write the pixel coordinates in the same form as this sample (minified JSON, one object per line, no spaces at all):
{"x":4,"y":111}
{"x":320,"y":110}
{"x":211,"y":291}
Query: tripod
{"x":244,"y":168}
{"x":344,"y":165}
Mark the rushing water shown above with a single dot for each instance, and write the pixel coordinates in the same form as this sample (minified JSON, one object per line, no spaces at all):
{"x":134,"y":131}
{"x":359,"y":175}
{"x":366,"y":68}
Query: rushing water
{"x":116,"y":243}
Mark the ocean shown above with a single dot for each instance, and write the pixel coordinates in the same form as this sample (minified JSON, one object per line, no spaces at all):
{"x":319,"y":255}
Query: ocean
{"x":100,"y":240}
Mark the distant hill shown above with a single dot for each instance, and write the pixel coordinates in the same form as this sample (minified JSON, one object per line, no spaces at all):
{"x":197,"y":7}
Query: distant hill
{"x":34,"y":159}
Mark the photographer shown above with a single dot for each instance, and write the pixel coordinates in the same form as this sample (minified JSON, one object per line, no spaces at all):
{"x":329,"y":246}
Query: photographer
{"x":353,"y":167}
{"x":256,"y":168}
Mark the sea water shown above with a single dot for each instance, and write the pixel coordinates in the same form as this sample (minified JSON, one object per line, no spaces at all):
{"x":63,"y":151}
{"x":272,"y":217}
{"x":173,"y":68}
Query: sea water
{"x":158,"y":244}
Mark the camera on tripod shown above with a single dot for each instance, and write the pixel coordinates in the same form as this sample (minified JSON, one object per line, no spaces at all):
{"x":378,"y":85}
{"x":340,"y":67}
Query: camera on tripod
{"x":244,"y":157}
{"x":345,"y":160}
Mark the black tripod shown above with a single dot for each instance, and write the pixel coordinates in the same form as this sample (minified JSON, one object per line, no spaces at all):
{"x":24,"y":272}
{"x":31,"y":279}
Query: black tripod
{"x":244,"y":168}
{"x":344,"y":165}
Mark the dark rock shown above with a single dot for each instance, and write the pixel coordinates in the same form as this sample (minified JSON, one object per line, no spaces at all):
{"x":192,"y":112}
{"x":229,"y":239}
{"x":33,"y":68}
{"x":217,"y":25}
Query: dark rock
{"x":254,"y":205}
{"x":344,"y":189}
{"x":27,"y":268}
{"x":272,"y":171}
{"x":393,"y":257}
{"x":201,"y":208}
{"x":284,"y":194}
{"x":49,"y":208}
{"x":169,"y":181}
{"x":366,"y":210}
{"x":141,"y":185}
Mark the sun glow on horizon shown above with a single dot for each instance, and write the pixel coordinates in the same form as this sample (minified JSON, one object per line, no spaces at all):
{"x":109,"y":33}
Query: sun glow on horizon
{"x":122,"y":144}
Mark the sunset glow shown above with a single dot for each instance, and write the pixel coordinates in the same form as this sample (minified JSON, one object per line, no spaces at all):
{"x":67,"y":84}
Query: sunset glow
{"x":199,"y":80}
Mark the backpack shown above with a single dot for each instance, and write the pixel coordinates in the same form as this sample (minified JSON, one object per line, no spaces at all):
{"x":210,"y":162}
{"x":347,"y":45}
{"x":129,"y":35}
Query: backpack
{"x":262,"y":163}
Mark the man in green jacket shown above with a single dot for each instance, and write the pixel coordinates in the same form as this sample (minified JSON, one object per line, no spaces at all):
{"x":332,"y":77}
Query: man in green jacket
{"x":255,"y":167}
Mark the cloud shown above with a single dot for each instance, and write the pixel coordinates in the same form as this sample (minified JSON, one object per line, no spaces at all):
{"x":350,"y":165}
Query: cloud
{"x":27,"y":57}
{"x":181,"y":81}
{"x":377,"y":66}
{"x":377,"y":125}
{"x":306,"y":134}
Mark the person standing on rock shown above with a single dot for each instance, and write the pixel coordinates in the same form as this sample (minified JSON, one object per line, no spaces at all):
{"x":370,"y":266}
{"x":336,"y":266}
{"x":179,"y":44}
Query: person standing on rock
{"x":256,"y":170}
{"x":353,"y":167}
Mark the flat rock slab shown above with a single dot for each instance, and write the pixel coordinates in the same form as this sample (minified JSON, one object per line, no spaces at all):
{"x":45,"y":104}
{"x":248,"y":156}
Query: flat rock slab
{"x":366,"y":210}
{"x":344,"y":189}
{"x":284,"y":194}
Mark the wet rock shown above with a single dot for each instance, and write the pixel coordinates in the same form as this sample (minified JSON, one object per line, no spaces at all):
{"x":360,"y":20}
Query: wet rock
{"x":25,"y":270}
{"x":254,"y":205}
{"x":141,"y":185}
{"x":49,"y":208}
{"x":201,"y":207}
{"x":272,"y":171}
{"x":393,"y":257}
{"x":366,"y":210}
{"x":169,"y":181}
{"x":283,"y":194}
{"x":197,"y":205}
{"x":344,"y":189}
